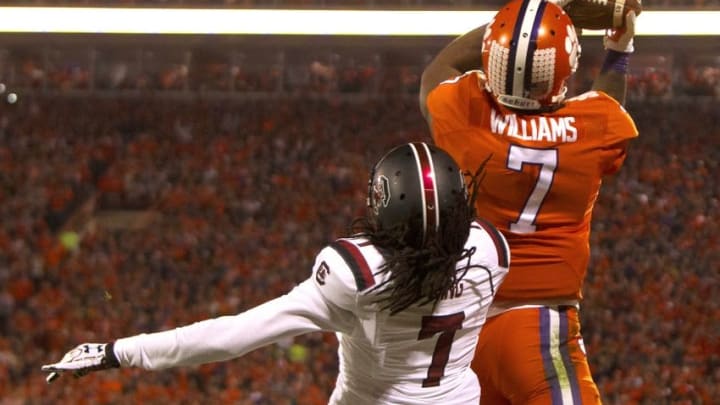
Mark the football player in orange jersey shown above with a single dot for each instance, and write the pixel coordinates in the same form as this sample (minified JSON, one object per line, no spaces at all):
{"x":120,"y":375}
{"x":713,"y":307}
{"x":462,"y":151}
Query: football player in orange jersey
{"x":547,"y":156}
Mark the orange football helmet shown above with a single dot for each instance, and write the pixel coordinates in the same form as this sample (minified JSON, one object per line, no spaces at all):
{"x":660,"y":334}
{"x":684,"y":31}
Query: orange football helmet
{"x":529,"y":50}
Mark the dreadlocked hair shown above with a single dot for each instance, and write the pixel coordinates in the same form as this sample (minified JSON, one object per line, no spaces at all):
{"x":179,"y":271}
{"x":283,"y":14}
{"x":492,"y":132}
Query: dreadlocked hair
{"x":426,"y":274}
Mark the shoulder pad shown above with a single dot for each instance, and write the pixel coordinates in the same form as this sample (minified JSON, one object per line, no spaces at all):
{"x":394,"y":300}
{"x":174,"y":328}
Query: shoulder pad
{"x":341,"y":272}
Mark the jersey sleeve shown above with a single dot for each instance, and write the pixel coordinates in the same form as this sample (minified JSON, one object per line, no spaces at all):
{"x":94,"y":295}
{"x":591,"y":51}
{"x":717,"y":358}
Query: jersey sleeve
{"x":618,"y":130}
{"x":335,"y":277}
{"x":620,"y":126}
{"x":304,"y":309}
{"x":447,"y":103}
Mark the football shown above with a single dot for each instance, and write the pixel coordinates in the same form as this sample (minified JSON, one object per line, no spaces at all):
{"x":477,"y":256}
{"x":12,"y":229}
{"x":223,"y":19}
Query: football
{"x":601,"y":14}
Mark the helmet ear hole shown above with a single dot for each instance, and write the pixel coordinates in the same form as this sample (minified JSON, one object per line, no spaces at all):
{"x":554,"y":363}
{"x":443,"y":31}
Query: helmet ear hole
{"x":402,"y":196}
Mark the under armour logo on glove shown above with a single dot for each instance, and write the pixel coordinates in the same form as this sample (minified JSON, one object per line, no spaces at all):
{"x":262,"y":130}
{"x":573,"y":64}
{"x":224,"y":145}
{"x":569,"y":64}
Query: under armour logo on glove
{"x":83,"y":359}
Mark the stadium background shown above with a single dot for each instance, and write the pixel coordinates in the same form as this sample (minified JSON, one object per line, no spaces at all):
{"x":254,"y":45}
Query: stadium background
{"x":150,"y":181}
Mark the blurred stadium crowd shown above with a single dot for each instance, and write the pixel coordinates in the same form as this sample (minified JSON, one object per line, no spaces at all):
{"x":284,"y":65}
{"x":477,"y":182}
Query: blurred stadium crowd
{"x":653,"y":76}
{"x":149,"y":187}
{"x":128,"y":215}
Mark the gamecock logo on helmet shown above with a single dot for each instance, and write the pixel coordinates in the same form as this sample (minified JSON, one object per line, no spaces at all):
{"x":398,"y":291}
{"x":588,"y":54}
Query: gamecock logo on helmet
{"x":381,"y":193}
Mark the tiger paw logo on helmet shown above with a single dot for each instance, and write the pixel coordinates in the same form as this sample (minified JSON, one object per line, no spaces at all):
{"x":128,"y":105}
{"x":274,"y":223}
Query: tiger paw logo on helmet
{"x":529,"y":50}
{"x":572,"y":47}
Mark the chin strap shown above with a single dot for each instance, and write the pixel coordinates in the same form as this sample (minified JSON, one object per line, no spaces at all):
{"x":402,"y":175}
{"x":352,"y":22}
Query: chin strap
{"x":531,"y":105}
{"x":519,"y":103}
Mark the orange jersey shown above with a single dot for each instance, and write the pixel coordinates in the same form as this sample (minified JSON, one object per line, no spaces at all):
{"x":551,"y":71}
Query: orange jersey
{"x":542,"y":178}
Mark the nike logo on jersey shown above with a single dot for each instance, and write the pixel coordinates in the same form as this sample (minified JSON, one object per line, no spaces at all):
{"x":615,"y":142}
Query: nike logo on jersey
{"x":537,"y":128}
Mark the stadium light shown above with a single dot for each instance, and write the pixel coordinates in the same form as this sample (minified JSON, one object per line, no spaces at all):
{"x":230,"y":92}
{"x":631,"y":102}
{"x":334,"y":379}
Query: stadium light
{"x":301,"y":22}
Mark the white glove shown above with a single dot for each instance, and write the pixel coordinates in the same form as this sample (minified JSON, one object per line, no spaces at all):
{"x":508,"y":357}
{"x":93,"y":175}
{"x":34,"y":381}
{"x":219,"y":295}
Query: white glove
{"x":621,"y":39}
{"x":83,"y":359}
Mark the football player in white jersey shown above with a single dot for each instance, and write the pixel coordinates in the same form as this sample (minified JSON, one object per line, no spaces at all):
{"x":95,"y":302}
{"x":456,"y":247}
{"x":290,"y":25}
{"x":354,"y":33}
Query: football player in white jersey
{"x":407,"y":296}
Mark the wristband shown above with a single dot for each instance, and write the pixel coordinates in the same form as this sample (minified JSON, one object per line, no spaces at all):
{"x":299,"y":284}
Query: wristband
{"x":110,"y":359}
{"x":616,"y":62}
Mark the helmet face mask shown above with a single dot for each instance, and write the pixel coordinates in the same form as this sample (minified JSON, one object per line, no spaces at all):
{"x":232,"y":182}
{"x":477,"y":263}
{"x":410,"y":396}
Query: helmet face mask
{"x":413,"y":187}
{"x":529,"y":50}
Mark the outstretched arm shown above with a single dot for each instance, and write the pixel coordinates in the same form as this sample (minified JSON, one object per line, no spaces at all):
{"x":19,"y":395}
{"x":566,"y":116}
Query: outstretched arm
{"x":464,"y":53}
{"x":613,"y":74}
{"x":302,"y":310}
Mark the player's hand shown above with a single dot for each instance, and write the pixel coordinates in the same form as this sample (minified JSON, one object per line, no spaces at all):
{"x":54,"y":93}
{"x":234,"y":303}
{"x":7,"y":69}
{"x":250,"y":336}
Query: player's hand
{"x":621,"y":39}
{"x":83,"y":359}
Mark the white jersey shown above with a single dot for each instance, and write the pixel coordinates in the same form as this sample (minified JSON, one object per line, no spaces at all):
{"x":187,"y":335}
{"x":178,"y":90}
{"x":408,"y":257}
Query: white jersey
{"x":418,"y":356}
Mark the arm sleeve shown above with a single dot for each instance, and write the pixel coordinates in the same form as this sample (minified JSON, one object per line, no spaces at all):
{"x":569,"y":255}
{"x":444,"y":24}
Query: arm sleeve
{"x":302,"y":310}
{"x":620,"y":126}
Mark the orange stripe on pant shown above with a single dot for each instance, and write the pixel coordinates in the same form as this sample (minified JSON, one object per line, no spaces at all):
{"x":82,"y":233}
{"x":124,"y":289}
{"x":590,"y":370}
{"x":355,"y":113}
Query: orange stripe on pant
{"x":534,"y":356}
